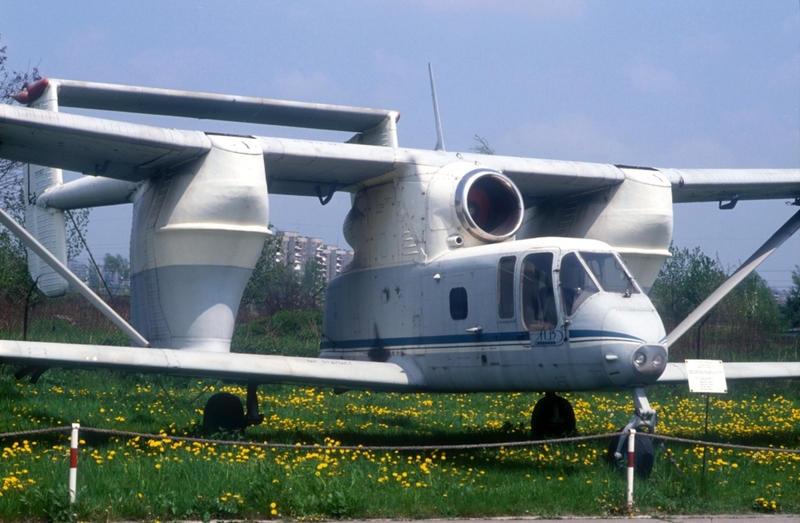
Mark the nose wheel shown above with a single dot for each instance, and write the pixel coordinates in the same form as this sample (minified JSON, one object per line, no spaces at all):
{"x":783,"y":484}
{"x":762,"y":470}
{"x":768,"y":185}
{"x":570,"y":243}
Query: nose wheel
{"x":644,"y":418}
{"x":552,"y":417}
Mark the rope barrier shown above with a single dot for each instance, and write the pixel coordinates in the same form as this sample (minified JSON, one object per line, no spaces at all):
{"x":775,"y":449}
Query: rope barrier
{"x":399,"y":448}
{"x":74,"y":441}
{"x":33,"y":432}
{"x":465,"y":446}
{"x":719,"y":445}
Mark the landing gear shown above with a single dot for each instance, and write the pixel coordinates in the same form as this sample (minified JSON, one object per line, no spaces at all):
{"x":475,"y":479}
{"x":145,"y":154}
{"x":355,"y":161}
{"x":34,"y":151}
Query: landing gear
{"x":224,"y":412}
{"x":643,"y":455}
{"x":253,"y":416}
{"x":552,"y":417}
{"x":644,"y":417}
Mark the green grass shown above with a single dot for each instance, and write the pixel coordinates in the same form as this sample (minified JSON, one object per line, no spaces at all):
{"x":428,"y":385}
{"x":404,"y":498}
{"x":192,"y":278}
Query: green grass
{"x":124,"y":478}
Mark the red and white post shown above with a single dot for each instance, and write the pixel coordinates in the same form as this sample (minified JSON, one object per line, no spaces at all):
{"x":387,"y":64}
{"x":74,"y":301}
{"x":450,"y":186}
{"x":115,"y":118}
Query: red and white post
{"x":631,"y":464}
{"x":73,"y":462}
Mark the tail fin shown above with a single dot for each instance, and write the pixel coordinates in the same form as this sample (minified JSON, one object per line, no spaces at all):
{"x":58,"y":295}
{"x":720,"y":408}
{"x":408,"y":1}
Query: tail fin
{"x":46,"y":225}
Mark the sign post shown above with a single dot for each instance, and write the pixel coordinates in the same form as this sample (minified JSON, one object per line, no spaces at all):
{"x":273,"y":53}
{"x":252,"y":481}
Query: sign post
{"x":73,"y":462}
{"x":706,"y":377}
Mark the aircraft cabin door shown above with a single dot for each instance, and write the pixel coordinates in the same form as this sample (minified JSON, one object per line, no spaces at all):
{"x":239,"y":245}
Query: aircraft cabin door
{"x":539,"y":310}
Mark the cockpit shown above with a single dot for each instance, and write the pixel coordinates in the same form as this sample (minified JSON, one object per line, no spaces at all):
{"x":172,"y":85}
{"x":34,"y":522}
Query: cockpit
{"x":545,"y":280}
{"x":583,"y":274}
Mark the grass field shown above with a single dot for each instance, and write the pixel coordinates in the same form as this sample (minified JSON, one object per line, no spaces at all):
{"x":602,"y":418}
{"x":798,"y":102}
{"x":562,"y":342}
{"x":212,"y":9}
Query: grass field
{"x":164,"y":479}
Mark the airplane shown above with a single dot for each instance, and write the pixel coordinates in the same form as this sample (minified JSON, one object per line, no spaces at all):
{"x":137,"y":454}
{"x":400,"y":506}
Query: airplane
{"x":471,"y":272}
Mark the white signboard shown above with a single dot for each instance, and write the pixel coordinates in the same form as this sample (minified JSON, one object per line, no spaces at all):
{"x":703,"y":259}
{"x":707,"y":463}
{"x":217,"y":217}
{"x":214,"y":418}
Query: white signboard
{"x":706,"y":376}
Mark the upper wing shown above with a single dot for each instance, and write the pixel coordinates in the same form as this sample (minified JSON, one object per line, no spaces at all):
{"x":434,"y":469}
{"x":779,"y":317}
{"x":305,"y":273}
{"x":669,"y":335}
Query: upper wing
{"x":134,"y":152}
{"x":708,"y":185}
{"x":228,"y":366}
{"x":297,"y":167}
{"x":120,"y":150}
{"x":148,"y":100}
{"x":676,"y":372}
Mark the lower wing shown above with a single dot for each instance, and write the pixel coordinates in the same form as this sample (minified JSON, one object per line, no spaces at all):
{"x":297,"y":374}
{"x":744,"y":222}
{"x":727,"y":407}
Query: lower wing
{"x":227,"y":366}
{"x":772,"y":370}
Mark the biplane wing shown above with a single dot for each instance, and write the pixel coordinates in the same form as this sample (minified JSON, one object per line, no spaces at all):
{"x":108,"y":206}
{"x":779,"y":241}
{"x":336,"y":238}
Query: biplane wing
{"x":258,"y":368}
{"x":387,"y":376}
{"x":94,"y":146}
{"x":134,"y":152}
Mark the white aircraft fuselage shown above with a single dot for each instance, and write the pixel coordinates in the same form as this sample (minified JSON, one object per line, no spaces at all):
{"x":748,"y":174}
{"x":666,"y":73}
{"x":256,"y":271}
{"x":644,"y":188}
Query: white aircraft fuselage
{"x":522,"y":315}
{"x":471,"y":272}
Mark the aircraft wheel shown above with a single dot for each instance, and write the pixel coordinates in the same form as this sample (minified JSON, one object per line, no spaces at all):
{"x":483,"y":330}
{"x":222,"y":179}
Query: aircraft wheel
{"x":643,"y":455}
{"x":223,"y":412}
{"x":552,"y":417}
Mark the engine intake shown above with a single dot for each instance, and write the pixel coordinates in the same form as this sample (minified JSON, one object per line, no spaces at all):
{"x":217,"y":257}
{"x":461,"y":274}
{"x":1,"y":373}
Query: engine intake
{"x":489,"y":205}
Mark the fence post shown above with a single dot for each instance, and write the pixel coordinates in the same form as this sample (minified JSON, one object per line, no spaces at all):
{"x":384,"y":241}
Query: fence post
{"x":73,"y":462}
{"x":631,"y":463}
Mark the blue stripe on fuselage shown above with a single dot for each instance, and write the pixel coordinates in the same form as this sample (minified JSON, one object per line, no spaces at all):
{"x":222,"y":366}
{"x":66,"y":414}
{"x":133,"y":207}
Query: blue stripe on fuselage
{"x":443,"y":341}
{"x":455,"y":339}
{"x":587,"y":333}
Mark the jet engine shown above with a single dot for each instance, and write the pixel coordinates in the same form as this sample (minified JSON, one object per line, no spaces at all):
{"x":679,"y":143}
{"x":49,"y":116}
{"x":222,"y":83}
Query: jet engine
{"x":421,"y":215}
{"x":488,"y":205}
{"x":469,"y":205}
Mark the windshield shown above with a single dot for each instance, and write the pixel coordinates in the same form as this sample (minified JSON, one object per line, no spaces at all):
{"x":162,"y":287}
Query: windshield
{"x":609,"y":272}
{"x":576,"y":284}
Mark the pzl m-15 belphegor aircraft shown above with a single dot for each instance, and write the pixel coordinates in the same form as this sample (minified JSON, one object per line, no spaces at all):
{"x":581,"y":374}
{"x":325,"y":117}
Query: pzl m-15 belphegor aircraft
{"x":471,"y":273}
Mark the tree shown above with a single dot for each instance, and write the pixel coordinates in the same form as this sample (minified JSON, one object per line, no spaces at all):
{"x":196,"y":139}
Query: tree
{"x":15,"y":281}
{"x":791,"y":309}
{"x":11,"y":193}
{"x":16,"y":286}
{"x":11,"y":82}
{"x":117,"y":273}
{"x":77,"y":225}
{"x":482,"y":147}
{"x":745,"y":323}
{"x":752,"y":309}
{"x":685,"y":280}
{"x":276,"y":285}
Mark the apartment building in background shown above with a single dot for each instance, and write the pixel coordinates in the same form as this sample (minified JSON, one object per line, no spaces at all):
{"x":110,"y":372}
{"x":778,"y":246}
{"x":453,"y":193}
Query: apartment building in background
{"x":297,"y":250}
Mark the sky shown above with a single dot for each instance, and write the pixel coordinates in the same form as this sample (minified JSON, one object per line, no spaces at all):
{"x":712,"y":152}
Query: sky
{"x":681,"y":84}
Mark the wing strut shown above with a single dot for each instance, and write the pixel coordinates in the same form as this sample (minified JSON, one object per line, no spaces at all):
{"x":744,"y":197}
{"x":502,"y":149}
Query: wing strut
{"x":34,"y":245}
{"x":775,"y":241}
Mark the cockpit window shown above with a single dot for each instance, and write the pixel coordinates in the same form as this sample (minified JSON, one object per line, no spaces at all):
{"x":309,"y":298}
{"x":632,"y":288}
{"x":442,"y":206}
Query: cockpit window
{"x":538,"y":298}
{"x":576,"y":284}
{"x":609,"y":272}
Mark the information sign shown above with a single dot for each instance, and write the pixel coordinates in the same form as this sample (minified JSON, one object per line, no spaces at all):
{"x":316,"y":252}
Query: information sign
{"x":706,"y":376}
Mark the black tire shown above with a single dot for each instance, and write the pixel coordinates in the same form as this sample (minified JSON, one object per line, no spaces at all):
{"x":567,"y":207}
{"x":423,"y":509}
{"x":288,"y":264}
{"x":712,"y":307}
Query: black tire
{"x":223,"y":413}
{"x":552,"y":417}
{"x":643,"y":455}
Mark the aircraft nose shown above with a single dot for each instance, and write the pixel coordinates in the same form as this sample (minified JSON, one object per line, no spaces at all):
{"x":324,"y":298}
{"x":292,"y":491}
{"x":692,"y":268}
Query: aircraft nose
{"x":649,"y":360}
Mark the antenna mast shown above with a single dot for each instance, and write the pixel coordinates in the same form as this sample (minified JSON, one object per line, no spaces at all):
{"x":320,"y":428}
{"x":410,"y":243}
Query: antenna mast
{"x":439,"y":134}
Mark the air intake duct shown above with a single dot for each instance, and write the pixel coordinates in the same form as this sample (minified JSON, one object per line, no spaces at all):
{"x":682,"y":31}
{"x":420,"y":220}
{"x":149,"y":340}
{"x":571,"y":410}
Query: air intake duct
{"x":489,"y":205}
